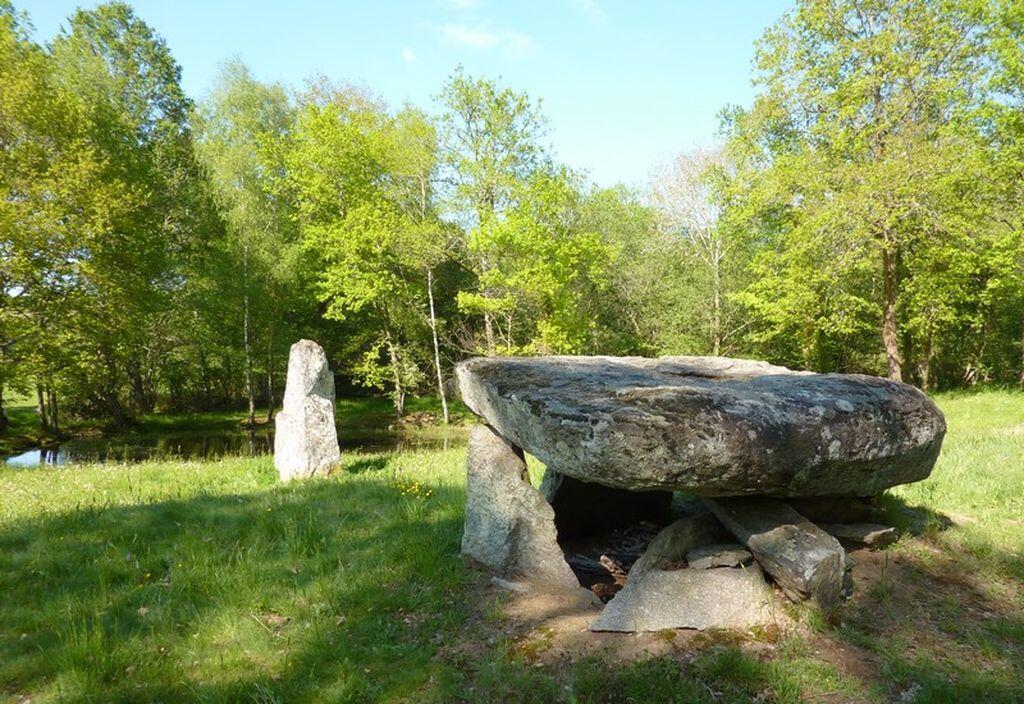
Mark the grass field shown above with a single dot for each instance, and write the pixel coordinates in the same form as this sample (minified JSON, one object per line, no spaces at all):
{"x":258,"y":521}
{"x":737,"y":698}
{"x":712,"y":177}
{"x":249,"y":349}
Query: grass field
{"x":211,"y":582}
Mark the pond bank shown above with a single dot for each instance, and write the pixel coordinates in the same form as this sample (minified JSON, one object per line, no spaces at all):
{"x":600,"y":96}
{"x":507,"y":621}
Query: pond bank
{"x":366,"y":424}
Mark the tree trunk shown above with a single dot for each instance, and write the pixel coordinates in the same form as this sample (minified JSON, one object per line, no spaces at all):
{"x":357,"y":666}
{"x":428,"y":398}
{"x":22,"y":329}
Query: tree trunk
{"x":437,"y":351}
{"x":44,"y":422}
{"x":1021,"y":380}
{"x":399,"y":397}
{"x":204,"y":372}
{"x":270,"y":376}
{"x":716,"y":311}
{"x":52,"y":398}
{"x":138,"y":391}
{"x":5,"y":422}
{"x":925,"y":366}
{"x":890,"y":337}
{"x":116,"y":408}
{"x":249,"y":386}
{"x":489,"y":333}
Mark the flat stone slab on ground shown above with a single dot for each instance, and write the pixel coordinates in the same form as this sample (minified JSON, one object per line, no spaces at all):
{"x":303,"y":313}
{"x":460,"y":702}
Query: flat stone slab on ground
{"x":724,"y":597}
{"x":802,"y":558}
{"x":710,"y":426}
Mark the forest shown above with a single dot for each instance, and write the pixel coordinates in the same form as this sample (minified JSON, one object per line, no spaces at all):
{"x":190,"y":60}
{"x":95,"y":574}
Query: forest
{"x":161,"y":252}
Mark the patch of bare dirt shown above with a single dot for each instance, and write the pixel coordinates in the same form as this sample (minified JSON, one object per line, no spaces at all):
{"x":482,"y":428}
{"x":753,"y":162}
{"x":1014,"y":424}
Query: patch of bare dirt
{"x":552,"y":627}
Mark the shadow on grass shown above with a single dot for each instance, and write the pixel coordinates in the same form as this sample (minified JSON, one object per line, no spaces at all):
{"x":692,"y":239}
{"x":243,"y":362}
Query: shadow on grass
{"x":373,"y":463}
{"x":273,"y":596}
{"x":346,"y":590}
{"x":932,"y":620}
{"x":336,"y":590}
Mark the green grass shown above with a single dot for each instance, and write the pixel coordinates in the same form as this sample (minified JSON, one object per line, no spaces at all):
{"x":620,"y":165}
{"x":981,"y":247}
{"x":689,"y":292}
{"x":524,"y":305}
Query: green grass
{"x":211,"y":582}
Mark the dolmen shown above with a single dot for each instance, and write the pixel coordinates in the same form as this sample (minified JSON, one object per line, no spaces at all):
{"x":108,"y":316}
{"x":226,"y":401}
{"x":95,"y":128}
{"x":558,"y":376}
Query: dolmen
{"x":755,"y":473}
{"x":305,"y":435}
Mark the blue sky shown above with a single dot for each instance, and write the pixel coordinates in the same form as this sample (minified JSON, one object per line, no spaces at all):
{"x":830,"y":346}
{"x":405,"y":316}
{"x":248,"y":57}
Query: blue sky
{"x":623,"y":84}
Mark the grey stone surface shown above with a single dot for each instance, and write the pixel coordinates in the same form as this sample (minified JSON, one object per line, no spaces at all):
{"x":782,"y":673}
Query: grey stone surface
{"x":873,"y":535}
{"x":671,"y":545}
{"x":802,"y":558}
{"x":836,"y":509}
{"x":584,"y":508}
{"x":710,"y":426}
{"x":718,"y":555}
{"x":724,"y":597}
{"x":305,"y":437}
{"x":509,"y":527}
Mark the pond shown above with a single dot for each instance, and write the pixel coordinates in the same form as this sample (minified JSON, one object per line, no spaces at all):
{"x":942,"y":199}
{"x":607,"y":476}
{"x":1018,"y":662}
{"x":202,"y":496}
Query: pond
{"x":224,"y":443}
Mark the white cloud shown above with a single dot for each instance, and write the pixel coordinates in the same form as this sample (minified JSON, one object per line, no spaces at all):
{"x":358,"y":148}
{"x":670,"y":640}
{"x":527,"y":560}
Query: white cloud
{"x":512,"y":43}
{"x":517,"y":44}
{"x":591,"y":9}
{"x":408,"y":55}
{"x":461,"y":4}
{"x":475,"y":37}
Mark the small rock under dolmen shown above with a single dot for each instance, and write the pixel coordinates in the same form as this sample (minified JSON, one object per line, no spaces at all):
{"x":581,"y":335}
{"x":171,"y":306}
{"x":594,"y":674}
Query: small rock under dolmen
{"x":802,"y":558}
{"x":305,"y":437}
{"x":720,"y":555}
{"x":675,"y":541}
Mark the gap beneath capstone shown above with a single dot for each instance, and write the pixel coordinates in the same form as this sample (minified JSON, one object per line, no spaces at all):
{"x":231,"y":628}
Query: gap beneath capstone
{"x":602,"y":531}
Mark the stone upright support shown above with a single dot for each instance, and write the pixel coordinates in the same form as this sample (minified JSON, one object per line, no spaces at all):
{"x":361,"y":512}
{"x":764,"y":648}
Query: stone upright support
{"x":510,"y":528}
{"x":804,"y":560}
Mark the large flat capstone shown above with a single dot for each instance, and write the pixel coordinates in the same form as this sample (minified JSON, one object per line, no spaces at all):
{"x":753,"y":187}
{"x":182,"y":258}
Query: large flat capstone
{"x":710,"y":426}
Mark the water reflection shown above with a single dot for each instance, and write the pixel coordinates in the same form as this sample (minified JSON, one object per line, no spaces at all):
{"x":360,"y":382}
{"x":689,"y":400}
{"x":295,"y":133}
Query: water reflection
{"x":208,"y":446}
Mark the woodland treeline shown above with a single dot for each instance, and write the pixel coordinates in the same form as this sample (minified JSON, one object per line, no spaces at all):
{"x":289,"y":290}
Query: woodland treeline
{"x":864,"y":214}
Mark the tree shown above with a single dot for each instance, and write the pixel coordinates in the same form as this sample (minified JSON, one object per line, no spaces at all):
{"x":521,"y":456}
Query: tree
{"x":242,"y":123}
{"x":852,"y":155}
{"x":428,"y":241}
{"x":355,"y":229}
{"x":490,"y":145}
{"x":684,"y":194}
{"x":130,"y":205}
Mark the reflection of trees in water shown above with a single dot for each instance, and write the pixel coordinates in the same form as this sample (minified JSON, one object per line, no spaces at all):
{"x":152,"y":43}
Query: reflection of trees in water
{"x":249,"y":443}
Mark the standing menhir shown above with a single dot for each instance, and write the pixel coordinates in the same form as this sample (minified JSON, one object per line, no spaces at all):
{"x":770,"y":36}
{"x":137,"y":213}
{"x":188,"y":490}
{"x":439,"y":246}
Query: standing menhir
{"x":306,"y":440}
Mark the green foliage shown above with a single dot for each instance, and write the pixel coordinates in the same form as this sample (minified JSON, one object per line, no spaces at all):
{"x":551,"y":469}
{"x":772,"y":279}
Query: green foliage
{"x":865,"y":178}
{"x":864,"y":215}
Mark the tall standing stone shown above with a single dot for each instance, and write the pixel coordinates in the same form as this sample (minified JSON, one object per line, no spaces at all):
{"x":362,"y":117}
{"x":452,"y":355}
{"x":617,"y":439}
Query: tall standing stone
{"x":305,"y":438}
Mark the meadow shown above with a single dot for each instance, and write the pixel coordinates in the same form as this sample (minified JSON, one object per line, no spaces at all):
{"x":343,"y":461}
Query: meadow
{"x":178,"y":581}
